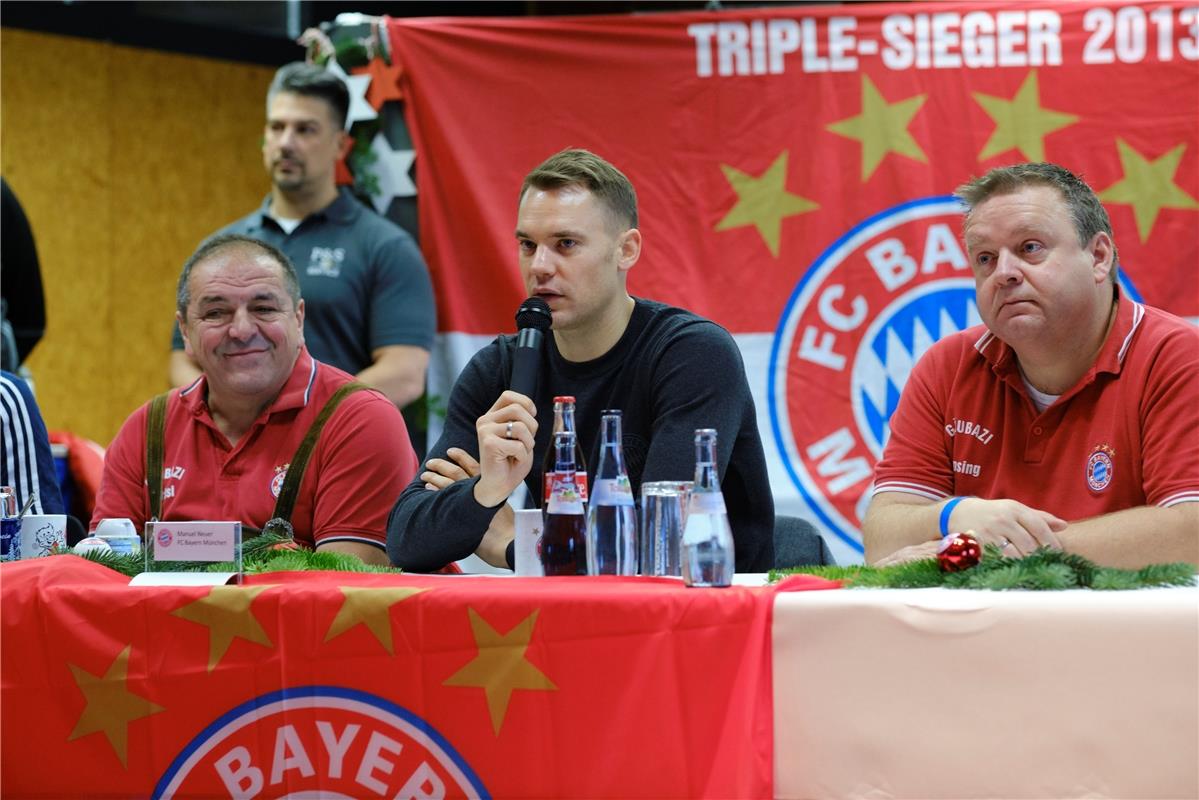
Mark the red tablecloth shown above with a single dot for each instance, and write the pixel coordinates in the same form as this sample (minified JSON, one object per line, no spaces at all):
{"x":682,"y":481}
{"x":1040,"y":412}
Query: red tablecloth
{"x":382,"y":685}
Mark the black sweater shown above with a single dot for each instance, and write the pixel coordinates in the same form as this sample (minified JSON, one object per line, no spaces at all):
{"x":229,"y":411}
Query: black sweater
{"x":671,"y":373}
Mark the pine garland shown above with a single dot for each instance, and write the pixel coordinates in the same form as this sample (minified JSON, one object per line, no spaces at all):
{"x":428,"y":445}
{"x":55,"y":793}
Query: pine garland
{"x":1042,"y":570}
{"x":264,"y":553}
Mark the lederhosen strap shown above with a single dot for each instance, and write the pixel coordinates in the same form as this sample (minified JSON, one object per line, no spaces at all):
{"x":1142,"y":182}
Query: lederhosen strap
{"x":156,"y":423}
{"x":280,"y":521}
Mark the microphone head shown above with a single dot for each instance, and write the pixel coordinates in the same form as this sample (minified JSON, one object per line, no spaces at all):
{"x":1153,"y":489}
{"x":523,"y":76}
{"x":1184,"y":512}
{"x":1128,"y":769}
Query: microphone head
{"x":534,"y":313}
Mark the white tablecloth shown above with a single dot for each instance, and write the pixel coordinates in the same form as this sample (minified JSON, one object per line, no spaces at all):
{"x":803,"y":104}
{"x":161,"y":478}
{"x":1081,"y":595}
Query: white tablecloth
{"x":933,"y":693}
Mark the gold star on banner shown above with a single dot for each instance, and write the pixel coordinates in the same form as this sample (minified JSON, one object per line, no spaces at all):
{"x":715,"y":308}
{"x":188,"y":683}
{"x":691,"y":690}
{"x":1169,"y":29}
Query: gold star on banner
{"x":372,"y":608}
{"x":882,"y":128}
{"x":500,"y":667}
{"x":110,"y":706}
{"x":226,"y":612}
{"x":1022,"y":122}
{"x":763,"y":201}
{"x":1148,"y":186}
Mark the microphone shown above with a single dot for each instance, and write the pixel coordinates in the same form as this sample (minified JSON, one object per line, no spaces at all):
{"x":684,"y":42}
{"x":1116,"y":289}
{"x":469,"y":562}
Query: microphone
{"x":532,"y":318}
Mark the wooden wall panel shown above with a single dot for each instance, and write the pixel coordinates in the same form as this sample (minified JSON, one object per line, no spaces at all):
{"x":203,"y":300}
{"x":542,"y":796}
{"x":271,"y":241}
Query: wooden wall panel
{"x":124,"y":159}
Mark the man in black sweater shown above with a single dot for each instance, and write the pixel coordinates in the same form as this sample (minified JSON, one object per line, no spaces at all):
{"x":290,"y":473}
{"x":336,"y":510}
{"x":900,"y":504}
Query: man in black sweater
{"x":667,"y":369}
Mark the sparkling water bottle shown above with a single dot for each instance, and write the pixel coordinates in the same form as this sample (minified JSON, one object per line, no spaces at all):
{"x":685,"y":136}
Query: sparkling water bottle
{"x":707,"y":539}
{"x":564,"y":533}
{"x":611,"y":513}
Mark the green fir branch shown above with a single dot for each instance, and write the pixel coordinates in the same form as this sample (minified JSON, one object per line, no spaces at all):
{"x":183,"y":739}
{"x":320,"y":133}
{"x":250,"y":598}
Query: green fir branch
{"x":1042,"y":570}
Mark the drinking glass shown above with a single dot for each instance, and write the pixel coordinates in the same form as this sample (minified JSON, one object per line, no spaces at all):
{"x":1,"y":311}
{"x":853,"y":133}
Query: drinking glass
{"x":663,"y":516}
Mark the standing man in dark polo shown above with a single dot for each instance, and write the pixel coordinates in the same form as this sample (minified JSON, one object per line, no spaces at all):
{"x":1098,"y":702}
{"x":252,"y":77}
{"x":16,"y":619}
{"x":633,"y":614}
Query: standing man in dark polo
{"x":369,"y":300}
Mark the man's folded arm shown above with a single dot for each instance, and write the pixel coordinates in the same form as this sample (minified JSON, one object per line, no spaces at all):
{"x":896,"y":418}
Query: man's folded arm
{"x":429,"y":529}
{"x":1138,"y":536}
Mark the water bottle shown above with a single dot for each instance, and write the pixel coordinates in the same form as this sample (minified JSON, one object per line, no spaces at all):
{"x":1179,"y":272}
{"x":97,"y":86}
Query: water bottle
{"x":707,"y":538}
{"x":564,"y":533}
{"x":10,"y":525}
{"x":611,"y":514}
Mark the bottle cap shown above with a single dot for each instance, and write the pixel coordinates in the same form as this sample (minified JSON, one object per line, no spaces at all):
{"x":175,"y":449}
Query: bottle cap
{"x":564,"y":398}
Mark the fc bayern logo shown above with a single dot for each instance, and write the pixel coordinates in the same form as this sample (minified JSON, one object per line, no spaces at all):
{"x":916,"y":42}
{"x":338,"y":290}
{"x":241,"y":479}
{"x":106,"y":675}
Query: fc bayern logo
{"x":319,"y":741}
{"x":277,"y":480}
{"x":1099,"y":468}
{"x":165,"y":537}
{"x":860,"y":318}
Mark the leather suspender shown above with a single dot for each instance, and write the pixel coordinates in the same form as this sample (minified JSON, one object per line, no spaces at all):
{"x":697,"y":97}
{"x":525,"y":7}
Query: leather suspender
{"x":156,"y":422}
{"x":280,"y":521}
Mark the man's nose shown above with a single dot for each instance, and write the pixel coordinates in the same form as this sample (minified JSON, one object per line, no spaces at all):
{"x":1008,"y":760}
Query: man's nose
{"x":542,"y":262}
{"x":1008,"y":267}
{"x":242,"y":326}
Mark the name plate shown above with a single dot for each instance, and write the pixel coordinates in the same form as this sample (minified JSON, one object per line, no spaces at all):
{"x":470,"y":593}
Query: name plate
{"x":196,"y":541}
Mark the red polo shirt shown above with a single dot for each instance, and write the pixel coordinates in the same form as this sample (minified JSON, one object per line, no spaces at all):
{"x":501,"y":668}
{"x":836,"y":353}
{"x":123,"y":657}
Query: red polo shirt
{"x":361,"y":463}
{"x":1124,"y":436}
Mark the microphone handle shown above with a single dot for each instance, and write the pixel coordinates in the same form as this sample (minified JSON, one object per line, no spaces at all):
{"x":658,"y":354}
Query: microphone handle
{"x":525,"y":361}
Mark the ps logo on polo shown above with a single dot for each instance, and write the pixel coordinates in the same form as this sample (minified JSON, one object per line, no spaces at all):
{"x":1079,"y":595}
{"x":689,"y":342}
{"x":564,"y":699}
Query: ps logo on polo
{"x":319,"y":741}
{"x":855,"y":325}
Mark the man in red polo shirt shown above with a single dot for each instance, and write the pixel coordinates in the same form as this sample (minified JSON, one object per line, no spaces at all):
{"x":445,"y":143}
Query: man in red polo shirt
{"x":231,"y":435}
{"x":1068,"y":420}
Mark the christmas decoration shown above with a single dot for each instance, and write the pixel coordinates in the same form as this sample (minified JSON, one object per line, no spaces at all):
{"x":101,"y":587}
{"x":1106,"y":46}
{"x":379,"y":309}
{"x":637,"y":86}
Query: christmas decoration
{"x":264,"y":553}
{"x":957,"y":552}
{"x":360,"y":109}
{"x":1042,"y":570}
{"x":385,"y":82}
{"x":391,"y":171}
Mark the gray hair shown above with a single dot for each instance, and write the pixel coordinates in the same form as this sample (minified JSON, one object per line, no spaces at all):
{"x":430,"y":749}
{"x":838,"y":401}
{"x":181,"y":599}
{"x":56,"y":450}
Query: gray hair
{"x":1086,"y":212}
{"x":574,"y":167}
{"x":309,"y":80}
{"x":229,"y":241}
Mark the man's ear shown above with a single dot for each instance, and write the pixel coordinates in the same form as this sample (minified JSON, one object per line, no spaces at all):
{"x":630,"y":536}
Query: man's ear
{"x":187,"y":345}
{"x":300,"y":318}
{"x":629,"y":249}
{"x":1103,"y":254}
{"x":344,"y":143}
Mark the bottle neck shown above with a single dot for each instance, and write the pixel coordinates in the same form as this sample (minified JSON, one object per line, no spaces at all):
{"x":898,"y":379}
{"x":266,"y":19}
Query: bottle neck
{"x":707,"y":475}
{"x":611,"y":462}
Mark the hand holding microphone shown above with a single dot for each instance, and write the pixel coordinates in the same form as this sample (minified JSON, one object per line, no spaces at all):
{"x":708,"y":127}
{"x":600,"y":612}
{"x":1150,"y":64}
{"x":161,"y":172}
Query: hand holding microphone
{"x":506,"y":432}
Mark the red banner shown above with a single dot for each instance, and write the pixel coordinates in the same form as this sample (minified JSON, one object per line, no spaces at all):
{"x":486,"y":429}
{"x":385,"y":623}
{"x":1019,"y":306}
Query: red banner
{"x":382,"y":686}
{"x":793,"y":166}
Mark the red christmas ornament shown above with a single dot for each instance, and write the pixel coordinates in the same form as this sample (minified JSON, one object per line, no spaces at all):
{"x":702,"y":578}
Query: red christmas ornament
{"x":957,"y":552}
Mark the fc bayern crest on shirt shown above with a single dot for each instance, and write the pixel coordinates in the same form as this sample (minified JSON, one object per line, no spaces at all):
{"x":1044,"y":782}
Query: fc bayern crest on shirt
{"x":857,"y":322}
{"x":277,"y":480}
{"x":319,"y":741}
{"x":1099,"y":468}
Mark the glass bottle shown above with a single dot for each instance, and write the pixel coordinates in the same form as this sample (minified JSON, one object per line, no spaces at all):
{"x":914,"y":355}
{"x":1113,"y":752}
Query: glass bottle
{"x":611,"y":514}
{"x":564,"y":420}
{"x":10,"y":525}
{"x":564,"y":532}
{"x":707,"y":537}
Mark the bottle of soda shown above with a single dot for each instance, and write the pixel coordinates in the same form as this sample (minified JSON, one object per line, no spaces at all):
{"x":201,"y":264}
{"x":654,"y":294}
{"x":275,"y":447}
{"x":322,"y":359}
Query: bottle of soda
{"x":707,"y":537}
{"x":611,"y":515}
{"x":564,"y":532}
{"x":564,"y":420}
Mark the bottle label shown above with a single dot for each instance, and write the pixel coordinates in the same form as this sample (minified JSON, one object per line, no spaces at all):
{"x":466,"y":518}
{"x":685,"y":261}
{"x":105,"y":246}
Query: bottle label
{"x":612,"y":492}
{"x":580,"y":485}
{"x":706,"y":503}
{"x":564,"y":497}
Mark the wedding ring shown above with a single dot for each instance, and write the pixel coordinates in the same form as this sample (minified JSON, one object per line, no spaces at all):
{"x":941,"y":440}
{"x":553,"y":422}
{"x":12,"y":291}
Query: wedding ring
{"x":1005,"y":544}
{"x":508,"y":431}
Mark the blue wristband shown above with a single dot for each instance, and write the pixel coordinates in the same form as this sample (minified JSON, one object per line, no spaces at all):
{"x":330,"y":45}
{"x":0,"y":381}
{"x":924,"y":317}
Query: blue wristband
{"x":946,"y":510}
